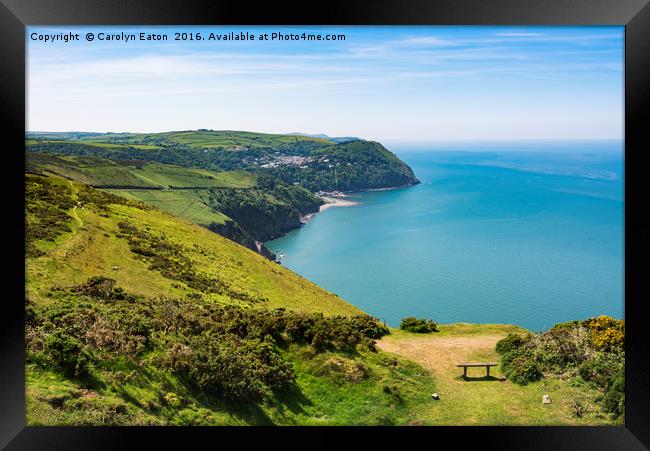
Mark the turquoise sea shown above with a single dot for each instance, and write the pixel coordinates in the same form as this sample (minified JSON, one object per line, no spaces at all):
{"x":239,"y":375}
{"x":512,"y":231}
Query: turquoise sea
{"x":524,"y":233}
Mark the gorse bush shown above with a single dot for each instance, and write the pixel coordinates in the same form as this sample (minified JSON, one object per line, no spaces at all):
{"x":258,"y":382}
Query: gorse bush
{"x":510,"y":343}
{"x":243,"y":370}
{"x":68,"y":354}
{"x":224,"y":351}
{"x":559,"y":349}
{"x":421,"y":326}
{"x":521,"y":367}
{"x":602,"y":368}
{"x":607,"y":333}
{"x":593,"y":349}
{"x":614,"y":399}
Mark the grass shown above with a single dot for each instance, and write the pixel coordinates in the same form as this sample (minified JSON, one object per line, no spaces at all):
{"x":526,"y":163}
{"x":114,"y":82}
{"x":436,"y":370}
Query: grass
{"x":94,"y":248}
{"x":482,"y":400}
{"x":29,"y":142}
{"x":225,"y":139}
{"x":100,"y":172}
{"x":392,"y":386}
{"x":316,"y":399}
{"x":384,"y":389}
{"x":159,"y":183}
{"x":183,"y":204}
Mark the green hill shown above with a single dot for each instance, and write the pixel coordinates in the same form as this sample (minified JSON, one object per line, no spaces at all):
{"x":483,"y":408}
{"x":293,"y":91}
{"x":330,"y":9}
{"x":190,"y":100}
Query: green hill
{"x":104,"y":173}
{"x":135,"y":316}
{"x":138,"y":317}
{"x":239,"y":205}
{"x":316,"y":163}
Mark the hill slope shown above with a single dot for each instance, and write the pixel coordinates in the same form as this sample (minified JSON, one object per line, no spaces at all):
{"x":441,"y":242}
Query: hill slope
{"x":239,"y":205}
{"x":138,"y":317}
{"x":315,"y":163}
{"x":100,"y":242}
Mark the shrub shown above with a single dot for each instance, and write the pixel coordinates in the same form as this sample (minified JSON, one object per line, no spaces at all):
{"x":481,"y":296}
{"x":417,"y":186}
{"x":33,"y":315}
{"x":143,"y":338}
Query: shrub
{"x":562,"y":348}
{"x":226,"y":366}
{"x":68,"y":354}
{"x":97,"y":286}
{"x":511,"y":342}
{"x":607,"y":333}
{"x":421,"y":326}
{"x":521,"y":367}
{"x":369,"y":326}
{"x":227,"y":351}
{"x":578,"y":408}
{"x":614,"y":399}
{"x":340,"y":369}
{"x":602,"y":368}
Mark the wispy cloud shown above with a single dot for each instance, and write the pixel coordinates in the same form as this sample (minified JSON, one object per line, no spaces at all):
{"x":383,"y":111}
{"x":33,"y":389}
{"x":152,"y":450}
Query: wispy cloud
{"x":424,"y":41}
{"x":514,"y":34}
{"x":382,"y":82}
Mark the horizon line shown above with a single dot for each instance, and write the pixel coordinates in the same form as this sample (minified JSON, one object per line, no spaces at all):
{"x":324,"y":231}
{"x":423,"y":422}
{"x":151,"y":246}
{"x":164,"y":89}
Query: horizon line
{"x":343,"y":135}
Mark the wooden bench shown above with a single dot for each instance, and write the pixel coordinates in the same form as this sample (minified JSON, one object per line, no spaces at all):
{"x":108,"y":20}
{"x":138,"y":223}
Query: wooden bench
{"x":487,"y":366}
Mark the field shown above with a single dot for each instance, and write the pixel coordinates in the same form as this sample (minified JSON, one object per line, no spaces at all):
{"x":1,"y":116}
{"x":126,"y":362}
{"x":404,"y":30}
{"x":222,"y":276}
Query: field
{"x":482,"y":400}
{"x":170,"y":188}
{"x":181,"y":203}
{"x":99,"y":172}
{"x":225,"y":139}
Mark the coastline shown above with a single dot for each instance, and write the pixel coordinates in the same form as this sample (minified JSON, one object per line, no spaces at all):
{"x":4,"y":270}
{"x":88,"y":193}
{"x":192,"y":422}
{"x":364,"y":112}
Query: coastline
{"x":336,"y":199}
{"x":339,"y":199}
{"x":332,"y":199}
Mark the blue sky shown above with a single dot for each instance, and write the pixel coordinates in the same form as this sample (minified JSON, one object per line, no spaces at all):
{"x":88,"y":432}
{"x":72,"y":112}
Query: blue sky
{"x":391,"y":84}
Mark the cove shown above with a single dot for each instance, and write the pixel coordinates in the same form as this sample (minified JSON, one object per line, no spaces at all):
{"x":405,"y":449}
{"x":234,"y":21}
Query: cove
{"x":530,"y":235}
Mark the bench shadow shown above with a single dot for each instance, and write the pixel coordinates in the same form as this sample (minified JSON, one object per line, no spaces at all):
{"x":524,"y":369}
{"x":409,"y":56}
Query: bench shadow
{"x":480,"y":379}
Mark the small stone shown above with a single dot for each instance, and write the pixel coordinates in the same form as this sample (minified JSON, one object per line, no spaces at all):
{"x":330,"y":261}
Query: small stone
{"x":435,"y":396}
{"x":546,"y":399}
{"x":115,"y":268}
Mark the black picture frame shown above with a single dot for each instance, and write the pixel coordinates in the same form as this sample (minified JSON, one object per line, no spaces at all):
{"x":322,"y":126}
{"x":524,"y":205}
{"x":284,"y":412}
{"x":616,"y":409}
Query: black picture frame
{"x":16,"y":14}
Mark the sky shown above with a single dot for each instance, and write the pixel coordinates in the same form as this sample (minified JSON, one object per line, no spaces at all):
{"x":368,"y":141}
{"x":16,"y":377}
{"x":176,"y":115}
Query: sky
{"x":394,"y":84}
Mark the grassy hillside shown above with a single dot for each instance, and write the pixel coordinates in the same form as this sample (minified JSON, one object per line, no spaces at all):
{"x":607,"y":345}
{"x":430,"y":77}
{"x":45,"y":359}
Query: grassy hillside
{"x":241,"y":206}
{"x":101,"y":172}
{"x":138,"y":317}
{"x":225,"y":139}
{"x":313,"y":162}
{"x":95,"y":243}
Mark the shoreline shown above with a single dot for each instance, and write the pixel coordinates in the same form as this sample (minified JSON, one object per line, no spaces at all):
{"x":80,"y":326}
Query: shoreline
{"x":334,"y":199}
{"x":339,"y":201}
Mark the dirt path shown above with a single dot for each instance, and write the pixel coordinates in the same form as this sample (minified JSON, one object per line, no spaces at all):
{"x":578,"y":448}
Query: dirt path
{"x":441,"y":355}
{"x":70,"y":243}
{"x":462,"y":402}
{"x":74,"y":213}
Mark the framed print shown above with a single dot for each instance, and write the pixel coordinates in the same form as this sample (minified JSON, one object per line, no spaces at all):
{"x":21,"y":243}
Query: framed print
{"x":386,"y":215}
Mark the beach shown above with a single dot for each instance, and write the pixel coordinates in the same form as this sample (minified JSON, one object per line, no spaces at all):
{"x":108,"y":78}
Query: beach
{"x":336,"y":202}
{"x":332,"y":200}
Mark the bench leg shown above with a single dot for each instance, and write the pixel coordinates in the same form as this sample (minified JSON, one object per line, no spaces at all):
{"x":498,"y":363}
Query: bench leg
{"x":488,"y":371}
{"x":464,"y":371}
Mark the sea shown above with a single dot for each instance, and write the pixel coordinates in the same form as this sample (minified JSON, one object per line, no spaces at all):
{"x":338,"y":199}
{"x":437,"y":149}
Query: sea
{"x":525,"y":233}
